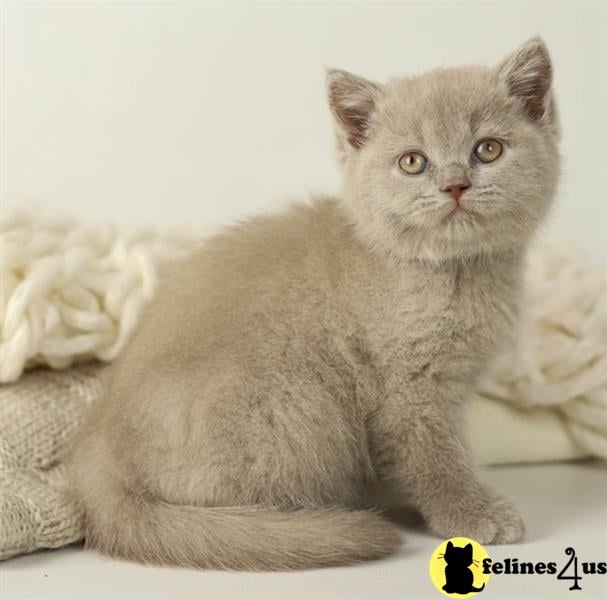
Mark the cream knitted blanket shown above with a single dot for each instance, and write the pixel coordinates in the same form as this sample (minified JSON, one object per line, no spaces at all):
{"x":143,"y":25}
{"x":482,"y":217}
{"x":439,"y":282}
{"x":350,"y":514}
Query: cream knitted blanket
{"x":38,"y":417}
{"x":71,"y":293}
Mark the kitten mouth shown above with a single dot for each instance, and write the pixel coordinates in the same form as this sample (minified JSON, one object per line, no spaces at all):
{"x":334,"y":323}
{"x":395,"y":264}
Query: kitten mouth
{"x":459,"y":212}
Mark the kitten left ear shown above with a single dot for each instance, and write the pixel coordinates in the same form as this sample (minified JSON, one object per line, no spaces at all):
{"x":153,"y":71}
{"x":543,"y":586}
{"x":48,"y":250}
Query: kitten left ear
{"x":528,"y":75}
{"x":352,"y":100}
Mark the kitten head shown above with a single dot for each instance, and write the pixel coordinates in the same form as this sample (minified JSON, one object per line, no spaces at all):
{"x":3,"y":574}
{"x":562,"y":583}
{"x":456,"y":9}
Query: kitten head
{"x":453,"y":163}
{"x":456,"y":556}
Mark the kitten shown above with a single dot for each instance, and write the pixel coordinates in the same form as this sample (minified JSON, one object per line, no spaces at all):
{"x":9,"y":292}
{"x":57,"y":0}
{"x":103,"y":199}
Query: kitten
{"x":459,"y":578}
{"x":297,"y":359}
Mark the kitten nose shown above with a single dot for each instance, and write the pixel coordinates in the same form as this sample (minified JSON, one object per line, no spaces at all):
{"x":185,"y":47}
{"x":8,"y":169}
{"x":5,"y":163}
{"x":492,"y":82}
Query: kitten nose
{"x":456,"y":188}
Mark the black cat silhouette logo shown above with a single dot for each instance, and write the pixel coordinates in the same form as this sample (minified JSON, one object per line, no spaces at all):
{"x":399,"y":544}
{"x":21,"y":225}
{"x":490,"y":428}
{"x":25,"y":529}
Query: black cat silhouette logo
{"x":459,"y":577}
{"x":456,"y":568}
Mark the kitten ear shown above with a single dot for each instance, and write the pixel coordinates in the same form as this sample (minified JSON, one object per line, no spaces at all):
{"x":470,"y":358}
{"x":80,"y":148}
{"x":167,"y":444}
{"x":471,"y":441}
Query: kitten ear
{"x":468,"y":548}
{"x":449,"y":545}
{"x":352,"y":100}
{"x":528,"y":75}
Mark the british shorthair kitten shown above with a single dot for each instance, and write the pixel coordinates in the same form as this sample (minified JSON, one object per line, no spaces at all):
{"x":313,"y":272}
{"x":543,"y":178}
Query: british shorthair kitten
{"x":299,"y":358}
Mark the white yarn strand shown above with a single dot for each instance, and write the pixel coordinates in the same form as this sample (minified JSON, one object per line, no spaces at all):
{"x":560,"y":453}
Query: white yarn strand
{"x":71,"y":292}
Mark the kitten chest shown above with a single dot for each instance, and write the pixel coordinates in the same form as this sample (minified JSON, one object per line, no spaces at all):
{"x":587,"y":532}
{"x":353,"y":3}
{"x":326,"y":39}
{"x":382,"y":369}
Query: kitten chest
{"x":443,"y":324}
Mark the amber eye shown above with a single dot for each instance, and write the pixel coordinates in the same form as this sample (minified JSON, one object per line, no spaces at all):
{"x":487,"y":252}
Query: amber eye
{"x":488,"y":150}
{"x":413,"y":163}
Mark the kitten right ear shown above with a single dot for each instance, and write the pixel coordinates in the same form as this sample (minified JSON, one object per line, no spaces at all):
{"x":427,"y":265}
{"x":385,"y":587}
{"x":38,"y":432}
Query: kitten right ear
{"x":352,"y":100}
{"x":528,"y":75}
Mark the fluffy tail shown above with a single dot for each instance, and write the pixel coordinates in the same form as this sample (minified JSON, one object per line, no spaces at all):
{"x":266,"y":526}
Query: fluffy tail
{"x":238,"y":538}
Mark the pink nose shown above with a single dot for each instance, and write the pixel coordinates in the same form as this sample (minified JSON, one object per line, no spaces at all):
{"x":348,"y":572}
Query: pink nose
{"x":456,"y":189}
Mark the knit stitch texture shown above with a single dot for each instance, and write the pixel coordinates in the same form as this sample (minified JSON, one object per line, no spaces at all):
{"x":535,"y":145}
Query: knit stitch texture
{"x":38,"y":417}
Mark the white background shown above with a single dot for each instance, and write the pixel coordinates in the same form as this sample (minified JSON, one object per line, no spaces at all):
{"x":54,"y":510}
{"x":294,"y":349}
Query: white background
{"x":196,"y":113}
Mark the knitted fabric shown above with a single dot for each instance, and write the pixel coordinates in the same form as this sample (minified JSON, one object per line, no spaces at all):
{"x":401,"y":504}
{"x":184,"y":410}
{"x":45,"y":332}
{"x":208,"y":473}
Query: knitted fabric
{"x":38,"y":417}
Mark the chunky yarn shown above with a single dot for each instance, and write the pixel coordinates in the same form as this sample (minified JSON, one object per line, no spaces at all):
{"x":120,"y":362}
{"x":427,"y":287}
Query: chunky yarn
{"x":560,"y":358}
{"x":71,"y":292}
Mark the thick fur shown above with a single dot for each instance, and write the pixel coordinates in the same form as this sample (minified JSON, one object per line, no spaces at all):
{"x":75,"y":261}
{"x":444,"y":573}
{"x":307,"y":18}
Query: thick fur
{"x":297,"y":360}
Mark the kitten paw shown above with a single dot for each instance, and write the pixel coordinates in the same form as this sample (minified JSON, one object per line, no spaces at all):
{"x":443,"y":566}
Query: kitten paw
{"x":510,"y":524}
{"x":498,"y":522}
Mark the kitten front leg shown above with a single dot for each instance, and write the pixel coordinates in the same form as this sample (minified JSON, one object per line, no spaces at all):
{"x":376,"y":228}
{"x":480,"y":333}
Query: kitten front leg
{"x":419,"y":449}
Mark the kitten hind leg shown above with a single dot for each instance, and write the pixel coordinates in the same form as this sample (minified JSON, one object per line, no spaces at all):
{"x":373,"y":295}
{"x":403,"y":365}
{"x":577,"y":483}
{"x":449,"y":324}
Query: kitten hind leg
{"x":236,"y":440}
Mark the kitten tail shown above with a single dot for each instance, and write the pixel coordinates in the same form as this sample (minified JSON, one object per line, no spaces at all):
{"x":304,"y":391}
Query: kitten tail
{"x":236,"y":538}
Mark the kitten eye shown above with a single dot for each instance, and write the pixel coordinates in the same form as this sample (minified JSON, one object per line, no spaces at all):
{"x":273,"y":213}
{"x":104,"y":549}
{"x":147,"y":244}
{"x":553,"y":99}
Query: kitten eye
{"x":413,"y":163}
{"x":488,"y":150}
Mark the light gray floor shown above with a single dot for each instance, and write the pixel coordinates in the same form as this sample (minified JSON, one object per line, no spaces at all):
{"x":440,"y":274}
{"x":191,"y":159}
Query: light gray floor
{"x":563,"y":504}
